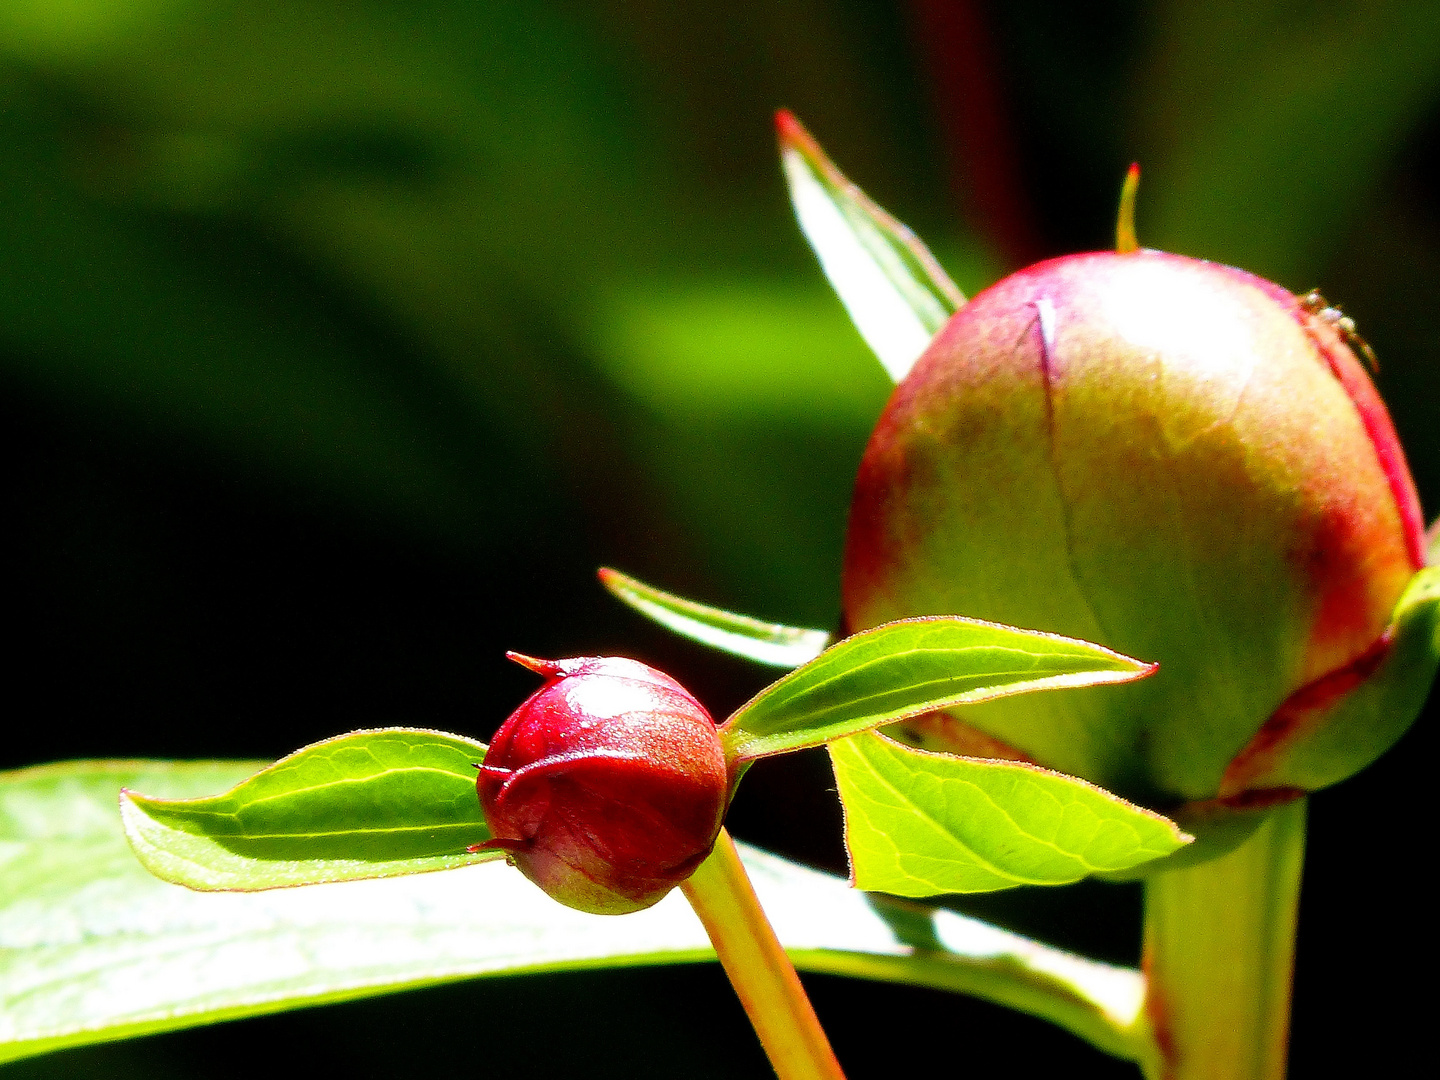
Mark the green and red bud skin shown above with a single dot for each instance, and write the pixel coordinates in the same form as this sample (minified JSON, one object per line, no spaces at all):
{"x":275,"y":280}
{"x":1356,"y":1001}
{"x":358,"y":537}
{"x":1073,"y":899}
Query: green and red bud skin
{"x":1335,"y":726}
{"x":1170,"y":457}
{"x":607,"y":786}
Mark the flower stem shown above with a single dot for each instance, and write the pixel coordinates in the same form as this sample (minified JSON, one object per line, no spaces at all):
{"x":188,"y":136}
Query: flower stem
{"x":1219,"y":952}
{"x":763,"y":976}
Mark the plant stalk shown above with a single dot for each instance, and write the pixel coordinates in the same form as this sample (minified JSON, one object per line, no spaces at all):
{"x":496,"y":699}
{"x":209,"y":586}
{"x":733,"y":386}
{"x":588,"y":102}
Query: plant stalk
{"x":1219,"y":954}
{"x":763,"y":976}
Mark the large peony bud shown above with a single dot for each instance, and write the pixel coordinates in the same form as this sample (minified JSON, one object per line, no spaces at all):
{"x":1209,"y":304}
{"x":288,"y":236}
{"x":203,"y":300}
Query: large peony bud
{"x":1175,"y":459}
{"x":608,"y":786}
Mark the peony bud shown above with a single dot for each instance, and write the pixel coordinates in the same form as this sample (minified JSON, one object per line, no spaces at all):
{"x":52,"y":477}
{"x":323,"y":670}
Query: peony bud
{"x":608,"y":786}
{"x":1185,"y":463}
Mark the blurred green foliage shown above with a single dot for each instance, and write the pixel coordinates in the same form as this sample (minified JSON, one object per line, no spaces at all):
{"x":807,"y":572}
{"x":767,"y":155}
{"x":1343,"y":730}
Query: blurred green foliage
{"x":340,"y":341}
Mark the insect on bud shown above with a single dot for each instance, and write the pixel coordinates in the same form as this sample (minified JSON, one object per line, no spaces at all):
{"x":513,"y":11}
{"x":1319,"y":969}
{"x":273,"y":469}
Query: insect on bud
{"x":608,"y":786}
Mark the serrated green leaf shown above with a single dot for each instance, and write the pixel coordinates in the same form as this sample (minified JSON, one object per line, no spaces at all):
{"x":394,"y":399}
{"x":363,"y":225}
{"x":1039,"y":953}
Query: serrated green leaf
{"x":364,"y":805}
{"x":897,"y":294}
{"x":922,"y":824}
{"x":910,"y":667}
{"x":767,"y":643}
{"x":93,"y":948}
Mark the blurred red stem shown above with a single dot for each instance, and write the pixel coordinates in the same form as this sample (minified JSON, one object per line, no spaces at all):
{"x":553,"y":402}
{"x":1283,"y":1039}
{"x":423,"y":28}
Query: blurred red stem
{"x":959,"y":54}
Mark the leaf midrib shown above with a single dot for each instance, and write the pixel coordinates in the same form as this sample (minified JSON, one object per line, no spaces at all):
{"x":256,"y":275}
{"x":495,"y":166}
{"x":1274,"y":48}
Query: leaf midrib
{"x":854,"y":670}
{"x":388,"y":831}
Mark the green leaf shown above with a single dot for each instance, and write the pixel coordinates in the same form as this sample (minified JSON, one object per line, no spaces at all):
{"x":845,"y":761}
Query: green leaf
{"x":910,"y":667}
{"x":1432,"y":544}
{"x":364,"y":805}
{"x":897,"y":294}
{"x":768,"y":643}
{"x":921,"y":824}
{"x":94,"y":948}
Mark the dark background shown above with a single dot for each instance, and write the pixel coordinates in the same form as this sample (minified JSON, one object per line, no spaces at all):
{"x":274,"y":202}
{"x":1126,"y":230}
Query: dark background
{"x":340,"y":342}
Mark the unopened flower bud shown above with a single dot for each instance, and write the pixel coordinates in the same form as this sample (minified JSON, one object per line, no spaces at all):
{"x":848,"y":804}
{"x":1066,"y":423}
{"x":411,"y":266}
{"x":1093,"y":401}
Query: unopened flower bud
{"x":608,"y":786}
{"x":1185,"y":463}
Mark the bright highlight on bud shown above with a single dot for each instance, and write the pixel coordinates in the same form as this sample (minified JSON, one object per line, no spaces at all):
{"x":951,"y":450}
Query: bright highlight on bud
{"x":608,"y":786}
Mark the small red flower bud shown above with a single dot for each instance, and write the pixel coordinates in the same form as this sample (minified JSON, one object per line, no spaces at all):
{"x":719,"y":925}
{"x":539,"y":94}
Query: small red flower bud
{"x":608,"y":786}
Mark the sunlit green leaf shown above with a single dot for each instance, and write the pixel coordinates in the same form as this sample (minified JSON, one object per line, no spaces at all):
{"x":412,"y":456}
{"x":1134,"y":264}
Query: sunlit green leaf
{"x":768,"y":643}
{"x":910,"y":667}
{"x":94,"y":948}
{"x":921,"y":824}
{"x":364,"y":805}
{"x":1432,"y":544}
{"x":895,"y":291}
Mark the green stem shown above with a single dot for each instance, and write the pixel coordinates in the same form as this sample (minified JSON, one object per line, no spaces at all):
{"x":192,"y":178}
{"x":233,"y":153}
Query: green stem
{"x":1219,"y":952}
{"x":763,"y":976}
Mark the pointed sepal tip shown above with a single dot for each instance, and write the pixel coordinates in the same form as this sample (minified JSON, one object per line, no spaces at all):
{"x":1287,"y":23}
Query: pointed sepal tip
{"x":1125,"y":238}
{"x":548,"y":669}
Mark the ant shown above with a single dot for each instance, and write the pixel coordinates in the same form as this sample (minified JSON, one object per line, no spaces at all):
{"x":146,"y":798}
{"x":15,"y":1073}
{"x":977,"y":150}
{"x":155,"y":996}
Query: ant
{"x":1341,"y":323}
